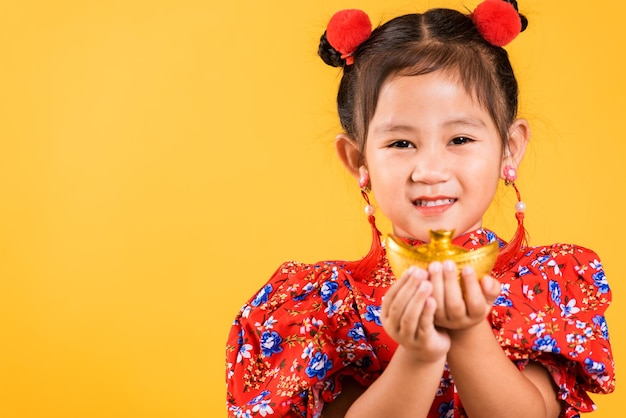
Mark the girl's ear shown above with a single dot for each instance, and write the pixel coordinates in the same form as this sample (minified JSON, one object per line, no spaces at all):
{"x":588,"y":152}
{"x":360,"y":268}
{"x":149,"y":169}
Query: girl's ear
{"x":519,"y":135}
{"x":349,"y":153}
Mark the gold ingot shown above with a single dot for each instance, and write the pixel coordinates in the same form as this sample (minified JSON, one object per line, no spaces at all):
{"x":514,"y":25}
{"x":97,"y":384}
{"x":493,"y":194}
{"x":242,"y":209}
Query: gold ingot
{"x":440,"y":248}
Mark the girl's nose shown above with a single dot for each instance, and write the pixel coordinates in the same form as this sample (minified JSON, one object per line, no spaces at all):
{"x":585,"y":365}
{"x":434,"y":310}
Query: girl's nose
{"x":430,"y":166}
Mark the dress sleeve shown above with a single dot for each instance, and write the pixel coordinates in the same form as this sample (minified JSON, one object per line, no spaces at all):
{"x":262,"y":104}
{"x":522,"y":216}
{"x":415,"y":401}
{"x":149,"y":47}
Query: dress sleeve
{"x":293,"y":342}
{"x":552,"y":311}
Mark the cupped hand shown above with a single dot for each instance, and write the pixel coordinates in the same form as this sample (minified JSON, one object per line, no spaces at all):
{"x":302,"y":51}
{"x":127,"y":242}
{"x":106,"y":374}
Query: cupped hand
{"x":408,"y":314}
{"x":461,"y":303}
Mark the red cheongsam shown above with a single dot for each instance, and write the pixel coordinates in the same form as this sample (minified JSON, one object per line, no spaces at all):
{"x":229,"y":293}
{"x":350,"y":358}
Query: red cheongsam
{"x":313,"y":324}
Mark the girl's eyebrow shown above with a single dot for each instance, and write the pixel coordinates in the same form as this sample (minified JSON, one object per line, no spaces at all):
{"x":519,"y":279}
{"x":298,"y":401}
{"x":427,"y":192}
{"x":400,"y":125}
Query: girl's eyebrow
{"x":466,"y":121}
{"x":395,"y":127}
{"x":400,"y":127}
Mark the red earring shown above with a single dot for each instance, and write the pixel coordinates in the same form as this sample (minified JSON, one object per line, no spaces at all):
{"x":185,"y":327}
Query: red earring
{"x":511,"y":251}
{"x":365,"y":267}
{"x":510,"y":174}
{"x":364,"y":185}
{"x":364,"y":179}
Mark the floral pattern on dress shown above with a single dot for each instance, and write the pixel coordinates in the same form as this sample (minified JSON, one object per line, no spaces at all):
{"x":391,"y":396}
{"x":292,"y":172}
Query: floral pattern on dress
{"x":311,"y":325}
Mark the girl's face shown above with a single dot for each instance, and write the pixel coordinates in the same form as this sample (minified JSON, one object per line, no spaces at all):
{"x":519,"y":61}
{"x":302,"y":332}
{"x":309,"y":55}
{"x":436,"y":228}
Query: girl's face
{"x":433,"y":154}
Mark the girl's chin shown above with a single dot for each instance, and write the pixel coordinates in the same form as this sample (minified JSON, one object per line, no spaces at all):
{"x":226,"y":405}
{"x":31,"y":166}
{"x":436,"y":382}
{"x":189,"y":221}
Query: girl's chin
{"x":420,"y":235}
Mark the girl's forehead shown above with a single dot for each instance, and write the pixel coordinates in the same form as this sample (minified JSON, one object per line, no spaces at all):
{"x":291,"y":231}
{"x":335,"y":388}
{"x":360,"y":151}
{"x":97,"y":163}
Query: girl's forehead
{"x":451,"y":74}
{"x":444,"y":80}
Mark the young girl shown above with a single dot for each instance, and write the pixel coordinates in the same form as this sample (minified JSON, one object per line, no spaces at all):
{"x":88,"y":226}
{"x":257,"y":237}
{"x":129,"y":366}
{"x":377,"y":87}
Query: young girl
{"x":428,"y":105}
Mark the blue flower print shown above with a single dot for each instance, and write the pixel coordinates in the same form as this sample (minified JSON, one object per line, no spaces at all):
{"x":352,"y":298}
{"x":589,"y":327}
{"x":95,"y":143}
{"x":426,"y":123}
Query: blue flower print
{"x":600,"y":321}
{"x":569,"y":309}
{"x":305,"y":291}
{"x":537,"y":329}
{"x":546,"y":344}
{"x":238,"y":412}
{"x":373,"y":314}
{"x":263,"y":295}
{"x":522,"y":271}
{"x":446,"y":409}
{"x":555,"y":291}
{"x":332,"y":308}
{"x":503,"y":301}
{"x":543,"y":258}
{"x":244,"y":352}
{"x":328,"y":290}
{"x":599,"y":279}
{"x":259,"y":398}
{"x":270,"y":343}
{"x":586,"y":330}
{"x":308,"y":351}
{"x":262,"y":405}
{"x":357,"y":332}
{"x":319,"y":365}
{"x":491,"y":236}
{"x":264,"y":408}
{"x":594,"y":367}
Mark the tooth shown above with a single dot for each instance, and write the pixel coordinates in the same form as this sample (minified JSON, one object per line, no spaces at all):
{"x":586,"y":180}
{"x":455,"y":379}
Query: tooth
{"x":438,"y":202}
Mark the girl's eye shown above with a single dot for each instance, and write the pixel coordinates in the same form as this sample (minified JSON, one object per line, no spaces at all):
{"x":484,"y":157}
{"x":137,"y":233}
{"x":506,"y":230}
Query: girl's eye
{"x":461,"y":140}
{"x":401,"y":144}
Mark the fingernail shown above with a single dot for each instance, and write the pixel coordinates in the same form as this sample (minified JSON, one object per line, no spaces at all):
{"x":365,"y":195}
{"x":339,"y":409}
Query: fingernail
{"x":449,"y":265}
{"x":467,"y":270}
{"x":488,"y":283}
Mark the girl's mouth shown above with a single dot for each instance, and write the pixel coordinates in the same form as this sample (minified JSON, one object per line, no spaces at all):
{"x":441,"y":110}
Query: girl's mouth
{"x":433,"y":202}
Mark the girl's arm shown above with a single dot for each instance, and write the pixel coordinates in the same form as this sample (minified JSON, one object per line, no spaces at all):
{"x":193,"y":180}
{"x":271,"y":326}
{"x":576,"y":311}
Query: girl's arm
{"x":488,"y":382}
{"x":406,"y":388}
{"x":491,"y":385}
{"x":408,"y":385}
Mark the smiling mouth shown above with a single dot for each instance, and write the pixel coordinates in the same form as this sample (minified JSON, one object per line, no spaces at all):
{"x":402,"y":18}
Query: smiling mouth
{"x":433,"y":203}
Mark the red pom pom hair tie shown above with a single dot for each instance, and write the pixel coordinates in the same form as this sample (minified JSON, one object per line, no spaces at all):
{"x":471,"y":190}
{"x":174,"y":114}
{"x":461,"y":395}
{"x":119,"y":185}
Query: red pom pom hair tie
{"x":497,"y":21}
{"x":346,"y":30}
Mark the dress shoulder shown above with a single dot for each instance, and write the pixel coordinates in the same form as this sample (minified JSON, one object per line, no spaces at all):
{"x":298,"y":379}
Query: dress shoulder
{"x":294,"y":340}
{"x":551,"y":310}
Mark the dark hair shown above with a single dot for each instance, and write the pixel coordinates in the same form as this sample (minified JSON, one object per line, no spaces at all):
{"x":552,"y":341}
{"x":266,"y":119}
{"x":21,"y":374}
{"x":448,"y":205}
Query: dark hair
{"x":414,"y":44}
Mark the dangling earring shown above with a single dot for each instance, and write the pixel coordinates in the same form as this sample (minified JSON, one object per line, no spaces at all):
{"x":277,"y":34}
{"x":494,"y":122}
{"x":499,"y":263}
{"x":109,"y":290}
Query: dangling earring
{"x":510,"y":252}
{"x":368,"y":264}
{"x":510,"y":175}
{"x":364,"y":185}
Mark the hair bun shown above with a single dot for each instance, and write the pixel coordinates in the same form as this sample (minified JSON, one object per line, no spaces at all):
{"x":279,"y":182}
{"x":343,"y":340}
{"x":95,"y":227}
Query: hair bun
{"x":329,"y":54}
{"x":498,"y":21}
{"x":346,"y":30}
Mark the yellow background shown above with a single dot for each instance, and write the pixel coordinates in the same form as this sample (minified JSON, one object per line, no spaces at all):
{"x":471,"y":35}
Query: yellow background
{"x":159,"y":159}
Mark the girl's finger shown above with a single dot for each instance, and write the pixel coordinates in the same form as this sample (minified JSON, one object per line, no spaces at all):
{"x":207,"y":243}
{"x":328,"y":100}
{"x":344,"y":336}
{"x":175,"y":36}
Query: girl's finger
{"x":410,"y":319}
{"x":427,"y":319}
{"x":399,"y":295}
{"x":453,"y":295}
{"x":400,"y":286}
{"x":475,"y":301}
{"x":436,"y":279}
{"x":491,"y":289}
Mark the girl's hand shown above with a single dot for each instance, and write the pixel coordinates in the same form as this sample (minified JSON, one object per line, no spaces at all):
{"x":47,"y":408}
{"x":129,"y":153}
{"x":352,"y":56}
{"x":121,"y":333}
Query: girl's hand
{"x":408,"y":313}
{"x":463,"y":303}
